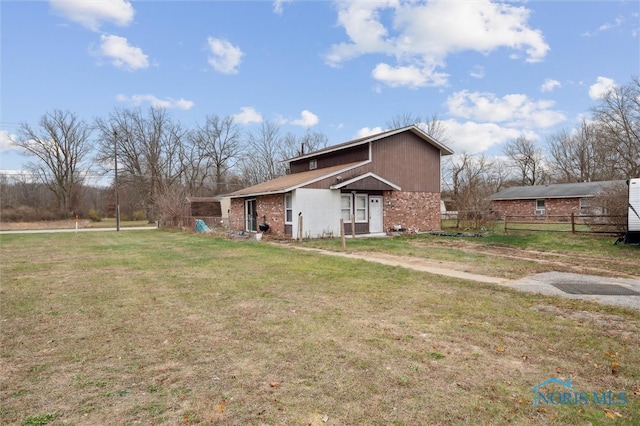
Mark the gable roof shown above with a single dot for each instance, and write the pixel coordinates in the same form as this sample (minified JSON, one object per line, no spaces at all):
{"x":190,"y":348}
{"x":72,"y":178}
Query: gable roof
{"x":444,"y":150}
{"x":290,"y":182}
{"x":366,"y":181}
{"x":557,"y":190}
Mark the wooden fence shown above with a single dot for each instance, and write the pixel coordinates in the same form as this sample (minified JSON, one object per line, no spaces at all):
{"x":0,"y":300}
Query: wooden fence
{"x":587,"y":224}
{"x":570,"y":223}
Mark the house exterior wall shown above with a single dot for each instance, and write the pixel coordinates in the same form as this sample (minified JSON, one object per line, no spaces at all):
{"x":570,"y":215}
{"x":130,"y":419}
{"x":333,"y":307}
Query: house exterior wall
{"x":236,"y":214}
{"x":334,"y":158}
{"x":417,"y":210}
{"x":269,"y":208}
{"x":552,"y":207}
{"x":404,"y":159}
{"x":407,"y":161}
{"x":320,"y":210}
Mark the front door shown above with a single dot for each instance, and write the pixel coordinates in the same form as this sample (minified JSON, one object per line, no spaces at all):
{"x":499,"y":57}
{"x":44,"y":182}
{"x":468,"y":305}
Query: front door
{"x":375,"y":215}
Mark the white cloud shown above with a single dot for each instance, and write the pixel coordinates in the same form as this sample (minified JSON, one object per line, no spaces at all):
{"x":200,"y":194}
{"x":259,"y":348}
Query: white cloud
{"x":515,"y":110}
{"x":223,"y":56}
{"x":368,"y":131}
{"x":91,"y":14}
{"x":601,"y":87}
{"x":550,"y":85}
{"x":474,"y":137}
{"x":307,"y":119}
{"x":408,"y":76}
{"x":6,"y":141}
{"x":155,"y":102}
{"x":421,"y":35}
{"x":248,"y":115}
{"x":477,"y":71}
{"x":619,"y":21}
{"x":122,"y":54}
{"x":278,"y":6}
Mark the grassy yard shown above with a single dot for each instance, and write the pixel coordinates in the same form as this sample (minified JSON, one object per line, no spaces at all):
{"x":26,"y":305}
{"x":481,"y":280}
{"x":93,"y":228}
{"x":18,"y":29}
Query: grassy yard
{"x":176,"y":328}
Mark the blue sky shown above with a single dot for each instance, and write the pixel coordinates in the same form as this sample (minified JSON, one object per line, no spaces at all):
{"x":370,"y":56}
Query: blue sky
{"x":492,"y":71}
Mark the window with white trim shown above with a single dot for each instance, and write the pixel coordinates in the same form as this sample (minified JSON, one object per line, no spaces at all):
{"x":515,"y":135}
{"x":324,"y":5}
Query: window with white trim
{"x":345,"y":208}
{"x":361,"y":208}
{"x":540,"y":207}
{"x":288,"y":209}
{"x":313,"y":164}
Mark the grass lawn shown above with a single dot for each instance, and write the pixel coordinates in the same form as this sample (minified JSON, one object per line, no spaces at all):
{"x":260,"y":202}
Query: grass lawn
{"x":176,"y":328}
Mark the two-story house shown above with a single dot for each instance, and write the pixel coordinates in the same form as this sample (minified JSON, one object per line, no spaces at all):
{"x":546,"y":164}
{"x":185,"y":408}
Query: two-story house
{"x":390,"y":180}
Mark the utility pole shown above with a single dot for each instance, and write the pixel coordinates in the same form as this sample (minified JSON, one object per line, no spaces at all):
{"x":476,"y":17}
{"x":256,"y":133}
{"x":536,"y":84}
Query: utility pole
{"x":115,"y":159}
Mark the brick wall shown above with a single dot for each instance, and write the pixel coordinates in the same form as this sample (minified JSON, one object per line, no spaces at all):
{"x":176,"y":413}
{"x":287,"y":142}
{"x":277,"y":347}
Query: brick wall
{"x":553,"y":207}
{"x":269,"y":208}
{"x":236,"y":215}
{"x":418,"y":210}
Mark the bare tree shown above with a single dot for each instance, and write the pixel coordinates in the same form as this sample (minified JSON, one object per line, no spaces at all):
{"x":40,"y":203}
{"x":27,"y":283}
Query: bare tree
{"x":432,"y":126}
{"x":618,"y":120}
{"x":573,"y":155}
{"x":473,"y":180}
{"x":61,"y":146}
{"x":149,"y":150}
{"x":215,"y":150}
{"x":294,"y":146}
{"x":261,"y":160}
{"x":527,"y":159}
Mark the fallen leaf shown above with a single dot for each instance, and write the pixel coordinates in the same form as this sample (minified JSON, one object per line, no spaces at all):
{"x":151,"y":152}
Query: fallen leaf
{"x":222,"y":406}
{"x":611,"y":414}
{"x":500,"y":349}
{"x":558,"y":370}
{"x":274,"y":384}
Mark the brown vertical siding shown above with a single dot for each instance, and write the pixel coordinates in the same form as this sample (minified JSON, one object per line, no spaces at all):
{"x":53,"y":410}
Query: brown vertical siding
{"x":408,"y":161}
{"x":346,"y":156}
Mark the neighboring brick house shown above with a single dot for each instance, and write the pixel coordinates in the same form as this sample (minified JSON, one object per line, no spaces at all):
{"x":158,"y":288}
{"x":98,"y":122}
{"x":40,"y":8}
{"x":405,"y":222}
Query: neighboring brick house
{"x":386,"y":181}
{"x":560,"y":199}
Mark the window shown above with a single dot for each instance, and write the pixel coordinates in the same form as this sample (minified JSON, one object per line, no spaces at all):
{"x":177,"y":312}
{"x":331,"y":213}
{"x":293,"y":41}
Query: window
{"x":539,"y":207}
{"x":585,"y":205}
{"x":313,"y":164}
{"x":288,"y":209}
{"x":361,"y":210}
{"x":345,"y":208}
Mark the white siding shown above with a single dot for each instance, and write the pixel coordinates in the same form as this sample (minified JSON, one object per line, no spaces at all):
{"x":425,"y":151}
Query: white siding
{"x":320,"y":210}
{"x":634,"y":201}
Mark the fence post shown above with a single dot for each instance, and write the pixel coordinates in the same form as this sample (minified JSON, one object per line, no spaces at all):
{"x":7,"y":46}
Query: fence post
{"x":300,"y":233}
{"x":573,"y":223}
{"x":342,"y":236}
{"x":505,"y":223}
{"x":353,"y":226}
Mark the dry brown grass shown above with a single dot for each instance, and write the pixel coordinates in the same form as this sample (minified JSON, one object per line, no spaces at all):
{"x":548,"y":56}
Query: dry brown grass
{"x":169,"y":328}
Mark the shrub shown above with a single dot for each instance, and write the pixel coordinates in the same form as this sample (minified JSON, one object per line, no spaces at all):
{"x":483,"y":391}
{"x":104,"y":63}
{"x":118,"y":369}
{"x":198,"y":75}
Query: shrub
{"x":94,"y":215}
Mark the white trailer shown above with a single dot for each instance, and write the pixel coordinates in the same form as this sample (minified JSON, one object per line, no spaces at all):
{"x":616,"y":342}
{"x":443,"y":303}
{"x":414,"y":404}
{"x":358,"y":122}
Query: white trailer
{"x":633,"y":215}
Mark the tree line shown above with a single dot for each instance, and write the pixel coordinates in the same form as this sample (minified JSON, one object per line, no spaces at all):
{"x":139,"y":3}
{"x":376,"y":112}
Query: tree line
{"x":160,"y":161}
